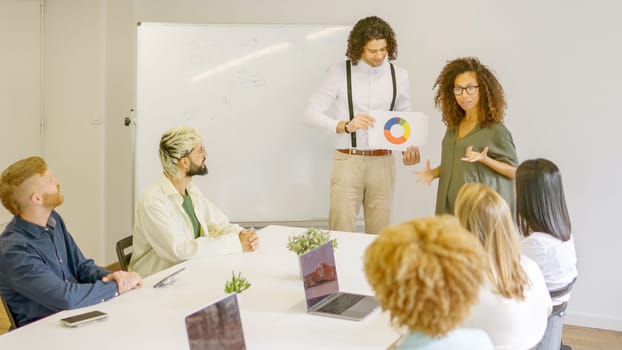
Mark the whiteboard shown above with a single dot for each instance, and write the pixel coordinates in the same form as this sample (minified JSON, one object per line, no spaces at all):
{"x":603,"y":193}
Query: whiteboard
{"x":245,"y":88}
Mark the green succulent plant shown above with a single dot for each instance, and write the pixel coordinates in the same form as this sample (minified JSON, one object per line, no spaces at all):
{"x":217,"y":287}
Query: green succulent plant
{"x":238,"y":284}
{"x":308,"y":240}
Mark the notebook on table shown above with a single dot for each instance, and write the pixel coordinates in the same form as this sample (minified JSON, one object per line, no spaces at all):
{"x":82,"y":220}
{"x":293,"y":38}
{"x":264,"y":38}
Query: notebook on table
{"x":217,"y":326}
{"x":321,"y":286}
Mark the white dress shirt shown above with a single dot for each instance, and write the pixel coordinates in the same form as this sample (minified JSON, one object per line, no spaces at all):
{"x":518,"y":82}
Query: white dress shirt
{"x":510,"y":323}
{"x":163,"y":234}
{"x":556,"y":259}
{"x":372,"y":90}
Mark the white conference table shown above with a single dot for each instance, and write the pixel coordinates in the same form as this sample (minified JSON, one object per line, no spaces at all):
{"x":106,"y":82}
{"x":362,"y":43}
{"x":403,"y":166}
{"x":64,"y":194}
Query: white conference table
{"x":273,"y":309}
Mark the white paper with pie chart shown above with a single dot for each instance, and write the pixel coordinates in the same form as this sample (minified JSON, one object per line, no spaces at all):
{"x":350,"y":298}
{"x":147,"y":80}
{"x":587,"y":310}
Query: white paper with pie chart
{"x":398,"y":130}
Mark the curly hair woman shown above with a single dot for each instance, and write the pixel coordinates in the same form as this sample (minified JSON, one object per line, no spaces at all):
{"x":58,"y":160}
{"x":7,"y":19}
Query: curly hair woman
{"x":514,"y":303}
{"x":477,"y":147}
{"x":427,"y":273}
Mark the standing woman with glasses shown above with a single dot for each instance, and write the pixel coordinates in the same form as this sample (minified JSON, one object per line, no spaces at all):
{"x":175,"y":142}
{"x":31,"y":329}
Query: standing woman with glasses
{"x":477,"y":147}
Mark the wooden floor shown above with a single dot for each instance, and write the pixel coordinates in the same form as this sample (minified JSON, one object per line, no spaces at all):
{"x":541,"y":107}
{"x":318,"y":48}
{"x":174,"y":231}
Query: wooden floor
{"x":582,"y":338}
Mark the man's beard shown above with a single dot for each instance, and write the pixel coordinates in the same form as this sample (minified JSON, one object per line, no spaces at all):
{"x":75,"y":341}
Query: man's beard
{"x":53,"y":200}
{"x":196,"y":170}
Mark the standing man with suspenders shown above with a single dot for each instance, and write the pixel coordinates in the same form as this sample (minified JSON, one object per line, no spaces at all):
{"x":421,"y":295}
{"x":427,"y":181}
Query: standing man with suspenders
{"x":366,"y":82}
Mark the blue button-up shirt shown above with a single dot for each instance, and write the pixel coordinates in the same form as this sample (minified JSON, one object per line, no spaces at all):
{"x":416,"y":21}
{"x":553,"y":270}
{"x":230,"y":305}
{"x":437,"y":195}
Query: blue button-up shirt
{"x":42,"y":271}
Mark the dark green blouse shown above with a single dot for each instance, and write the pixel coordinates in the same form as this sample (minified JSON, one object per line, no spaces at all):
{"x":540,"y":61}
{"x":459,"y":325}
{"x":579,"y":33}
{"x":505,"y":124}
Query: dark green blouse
{"x":456,"y":172}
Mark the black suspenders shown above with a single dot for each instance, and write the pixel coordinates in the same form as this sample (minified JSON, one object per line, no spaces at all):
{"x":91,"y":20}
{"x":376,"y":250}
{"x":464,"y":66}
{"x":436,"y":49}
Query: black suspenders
{"x":394,"y":86}
{"x":350,"y":105}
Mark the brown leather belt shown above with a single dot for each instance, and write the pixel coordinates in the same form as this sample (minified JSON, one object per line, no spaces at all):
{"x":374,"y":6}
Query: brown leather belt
{"x":365,"y":152}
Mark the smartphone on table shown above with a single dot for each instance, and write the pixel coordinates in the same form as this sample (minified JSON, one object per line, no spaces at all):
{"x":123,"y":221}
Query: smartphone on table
{"x":81,"y":319}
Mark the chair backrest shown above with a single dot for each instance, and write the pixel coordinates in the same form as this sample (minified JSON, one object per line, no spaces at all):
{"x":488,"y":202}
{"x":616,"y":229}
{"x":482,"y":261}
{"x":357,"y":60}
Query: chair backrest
{"x":9,"y":314}
{"x":560,"y":308}
{"x":124,"y":252}
{"x":562,"y":291}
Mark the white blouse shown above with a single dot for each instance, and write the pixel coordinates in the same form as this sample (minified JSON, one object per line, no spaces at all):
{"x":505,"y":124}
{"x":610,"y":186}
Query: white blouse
{"x":556,"y":259}
{"x":510,"y":323}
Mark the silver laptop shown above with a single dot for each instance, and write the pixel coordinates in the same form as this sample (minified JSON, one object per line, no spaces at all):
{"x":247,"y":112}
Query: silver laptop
{"x":217,"y":326}
{"x":322,"y":287}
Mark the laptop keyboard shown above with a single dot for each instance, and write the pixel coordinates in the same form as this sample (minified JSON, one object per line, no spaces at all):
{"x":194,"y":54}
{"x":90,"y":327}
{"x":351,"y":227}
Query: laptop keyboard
{"x":340,"y":304}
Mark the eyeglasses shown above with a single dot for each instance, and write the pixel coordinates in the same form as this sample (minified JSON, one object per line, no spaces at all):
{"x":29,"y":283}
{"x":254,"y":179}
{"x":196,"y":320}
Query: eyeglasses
{"x":470,"y":89}
{"x":200,"y":151}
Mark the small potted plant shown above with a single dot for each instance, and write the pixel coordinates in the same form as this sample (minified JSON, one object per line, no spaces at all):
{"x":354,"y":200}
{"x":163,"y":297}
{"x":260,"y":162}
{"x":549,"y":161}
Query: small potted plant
{"x":309,"y":240}
{"x":238,"y":284}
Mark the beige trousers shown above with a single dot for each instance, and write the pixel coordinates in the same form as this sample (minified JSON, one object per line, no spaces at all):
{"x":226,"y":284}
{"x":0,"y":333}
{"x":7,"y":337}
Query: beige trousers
{"x":356,"y":180}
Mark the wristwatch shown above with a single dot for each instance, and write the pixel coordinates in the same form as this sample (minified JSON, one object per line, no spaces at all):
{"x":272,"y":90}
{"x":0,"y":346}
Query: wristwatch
{"x":345,"y":128}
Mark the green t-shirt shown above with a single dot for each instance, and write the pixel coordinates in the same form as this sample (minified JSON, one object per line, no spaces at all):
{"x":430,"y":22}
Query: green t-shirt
{"x":189,"y":209}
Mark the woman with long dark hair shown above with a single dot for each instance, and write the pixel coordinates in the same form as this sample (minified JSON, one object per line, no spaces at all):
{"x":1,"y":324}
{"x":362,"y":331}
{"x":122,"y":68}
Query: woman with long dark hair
{"x":543,"y":219}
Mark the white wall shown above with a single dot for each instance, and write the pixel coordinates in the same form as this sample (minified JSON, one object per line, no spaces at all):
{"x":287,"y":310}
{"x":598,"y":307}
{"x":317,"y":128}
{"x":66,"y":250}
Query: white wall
{"x":20,"y":83}
{"x":557,"y":61}
{"x":589,"y":146}
{"x":74,"y":111}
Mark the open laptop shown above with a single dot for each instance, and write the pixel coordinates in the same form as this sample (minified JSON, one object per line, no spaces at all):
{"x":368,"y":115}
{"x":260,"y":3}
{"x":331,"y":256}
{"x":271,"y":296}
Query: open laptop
{"x":217,"y":326}
{"x":321,"y":285}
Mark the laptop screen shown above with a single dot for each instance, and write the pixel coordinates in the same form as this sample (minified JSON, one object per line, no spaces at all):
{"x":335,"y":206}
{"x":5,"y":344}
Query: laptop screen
{"x":216,"y":326}
{"x":319,"y":273}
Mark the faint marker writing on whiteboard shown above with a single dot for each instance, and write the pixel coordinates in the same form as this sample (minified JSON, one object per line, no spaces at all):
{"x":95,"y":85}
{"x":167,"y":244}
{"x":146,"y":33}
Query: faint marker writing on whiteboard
{"x":255,"y":80}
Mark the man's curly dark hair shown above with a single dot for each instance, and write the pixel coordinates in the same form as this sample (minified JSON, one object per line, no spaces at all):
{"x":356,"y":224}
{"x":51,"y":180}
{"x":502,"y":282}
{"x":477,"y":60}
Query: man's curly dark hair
{"x":367,"y":29}
{"x":491,"y":98}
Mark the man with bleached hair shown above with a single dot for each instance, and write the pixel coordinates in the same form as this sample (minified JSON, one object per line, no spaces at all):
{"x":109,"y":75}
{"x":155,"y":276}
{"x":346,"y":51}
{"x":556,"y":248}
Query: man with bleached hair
{"x":173,"y":220}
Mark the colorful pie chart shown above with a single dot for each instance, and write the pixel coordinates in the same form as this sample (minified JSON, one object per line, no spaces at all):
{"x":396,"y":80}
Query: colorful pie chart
{"x":399,"y":139}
